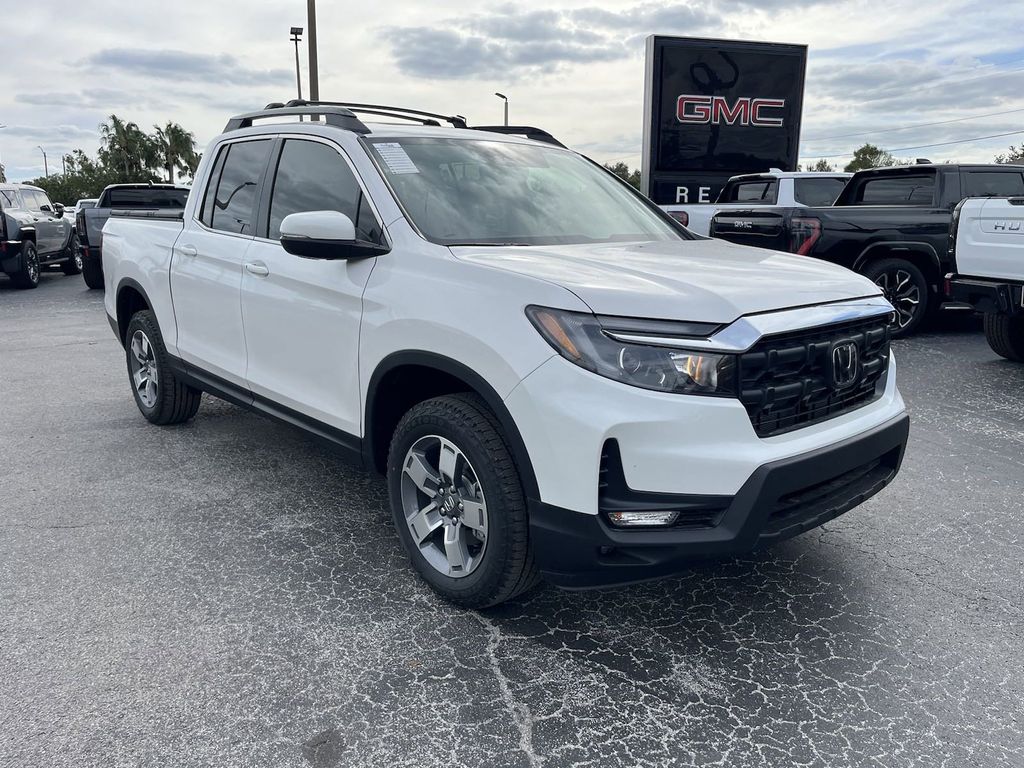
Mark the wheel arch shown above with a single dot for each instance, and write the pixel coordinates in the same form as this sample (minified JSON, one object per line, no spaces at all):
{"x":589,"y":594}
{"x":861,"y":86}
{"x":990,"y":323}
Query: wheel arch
{"x":27,"y":233}
{"x":389,"y":396}
{"x":131,"y":298}
{"x":921,"y":255}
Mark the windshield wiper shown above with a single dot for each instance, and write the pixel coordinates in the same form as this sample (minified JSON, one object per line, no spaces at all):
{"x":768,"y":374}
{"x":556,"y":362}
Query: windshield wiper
{"x":492,"y":244}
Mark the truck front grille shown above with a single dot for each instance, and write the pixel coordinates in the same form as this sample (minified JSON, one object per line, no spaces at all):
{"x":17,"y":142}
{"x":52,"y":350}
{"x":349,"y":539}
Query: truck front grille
{"x":787,"y":381}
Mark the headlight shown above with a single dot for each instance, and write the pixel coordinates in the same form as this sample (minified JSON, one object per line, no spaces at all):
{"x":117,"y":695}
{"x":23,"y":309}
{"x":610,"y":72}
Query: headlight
{"x":581,"y":339}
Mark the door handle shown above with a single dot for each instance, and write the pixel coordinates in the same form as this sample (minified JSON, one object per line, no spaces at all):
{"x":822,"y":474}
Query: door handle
{"x":188,"y":250}
{"x":257,"y":269}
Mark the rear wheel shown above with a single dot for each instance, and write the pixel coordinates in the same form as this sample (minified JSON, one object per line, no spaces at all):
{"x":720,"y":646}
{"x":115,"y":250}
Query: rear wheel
{"x":73,"y":265}
{"x":28,"y":277}
{"x":457,"y":502}
{"x":158,"y":393}
{"x":92,"y":271}
{"x":1005,"y":334}
{"x":906,"y":288}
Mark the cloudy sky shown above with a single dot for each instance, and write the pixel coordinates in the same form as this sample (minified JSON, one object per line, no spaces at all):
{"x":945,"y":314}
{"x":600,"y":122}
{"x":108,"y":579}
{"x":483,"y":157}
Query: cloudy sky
{"x":575,"y":68}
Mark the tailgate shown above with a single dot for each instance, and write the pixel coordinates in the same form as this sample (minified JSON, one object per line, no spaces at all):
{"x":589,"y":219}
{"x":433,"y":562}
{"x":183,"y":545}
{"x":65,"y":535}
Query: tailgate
{"x":761,"y":229}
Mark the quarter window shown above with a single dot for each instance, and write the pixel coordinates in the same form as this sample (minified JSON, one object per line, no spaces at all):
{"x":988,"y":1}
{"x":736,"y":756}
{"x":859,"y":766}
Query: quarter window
{"x":764,"y":191}
{"x":232,"y":208}
{"x":313,"y":177}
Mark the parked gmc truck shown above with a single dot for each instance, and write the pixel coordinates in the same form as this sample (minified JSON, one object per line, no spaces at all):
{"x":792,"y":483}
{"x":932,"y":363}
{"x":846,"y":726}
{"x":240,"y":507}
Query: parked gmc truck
{"x":987,"y":251}
{"x":89,"y":220}
{"x":556,"y":378}
{"x":890,"y":224}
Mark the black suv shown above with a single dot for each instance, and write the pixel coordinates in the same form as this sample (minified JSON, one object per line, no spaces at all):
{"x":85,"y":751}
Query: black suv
{"x":34,"y":234}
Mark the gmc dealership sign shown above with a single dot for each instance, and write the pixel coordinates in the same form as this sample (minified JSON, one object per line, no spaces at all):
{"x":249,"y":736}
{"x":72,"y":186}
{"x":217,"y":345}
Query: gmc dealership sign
{"x":717,"y":108}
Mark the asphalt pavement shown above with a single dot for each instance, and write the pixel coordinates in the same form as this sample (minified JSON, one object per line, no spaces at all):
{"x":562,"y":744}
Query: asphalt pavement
{"x":227,"y":593}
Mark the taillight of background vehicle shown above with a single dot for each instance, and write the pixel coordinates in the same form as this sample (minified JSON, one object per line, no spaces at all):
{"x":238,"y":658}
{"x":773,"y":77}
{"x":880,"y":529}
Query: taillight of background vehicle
{"x":681,"y":216}
{"x":954,"y":227}
{"x":804,"y":233}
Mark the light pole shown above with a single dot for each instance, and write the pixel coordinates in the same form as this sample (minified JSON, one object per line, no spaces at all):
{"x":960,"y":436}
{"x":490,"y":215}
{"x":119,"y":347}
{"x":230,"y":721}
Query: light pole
{"x":296,"y":33}
{"x":46,"y":166}
{"x":505,"y":99}
{"x":314,"y":74}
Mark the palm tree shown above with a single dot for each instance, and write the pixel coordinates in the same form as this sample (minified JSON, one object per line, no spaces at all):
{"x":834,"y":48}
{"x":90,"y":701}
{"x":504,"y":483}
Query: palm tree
{"x":177,"y":149}
{"x":128,"y":149}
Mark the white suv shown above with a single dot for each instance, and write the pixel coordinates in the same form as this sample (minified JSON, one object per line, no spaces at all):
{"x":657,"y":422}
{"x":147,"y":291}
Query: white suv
{"x":558,"y":380}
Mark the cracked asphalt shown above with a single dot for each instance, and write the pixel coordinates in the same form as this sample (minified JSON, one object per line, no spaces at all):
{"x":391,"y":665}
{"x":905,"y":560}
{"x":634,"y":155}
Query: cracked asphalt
{"x":226,"y":593}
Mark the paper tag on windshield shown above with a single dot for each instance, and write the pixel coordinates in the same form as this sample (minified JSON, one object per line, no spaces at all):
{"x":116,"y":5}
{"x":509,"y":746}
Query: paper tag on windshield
{"x":395,"y":158}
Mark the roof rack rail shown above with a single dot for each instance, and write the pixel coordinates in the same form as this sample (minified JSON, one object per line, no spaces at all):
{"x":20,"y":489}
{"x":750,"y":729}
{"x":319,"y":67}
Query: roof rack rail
{"x":527,"y":131}
{"x":416,"y":115}
{"x":342,"y":118}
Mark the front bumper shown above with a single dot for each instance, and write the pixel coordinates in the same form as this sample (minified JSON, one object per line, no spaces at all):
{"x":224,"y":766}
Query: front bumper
{"x":990,"y":296}
{"x":780,"y":499}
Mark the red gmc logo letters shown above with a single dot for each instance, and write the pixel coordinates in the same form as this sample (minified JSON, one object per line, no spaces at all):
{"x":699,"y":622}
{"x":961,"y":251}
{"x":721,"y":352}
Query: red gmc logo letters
{"x":715,"y":110}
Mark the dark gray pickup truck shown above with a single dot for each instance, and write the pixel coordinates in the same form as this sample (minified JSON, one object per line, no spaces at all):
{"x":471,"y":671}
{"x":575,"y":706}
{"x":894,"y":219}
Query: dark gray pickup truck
{"x":890,"y":224}
{"x":89,"y":222}
{"x":34,"y":235}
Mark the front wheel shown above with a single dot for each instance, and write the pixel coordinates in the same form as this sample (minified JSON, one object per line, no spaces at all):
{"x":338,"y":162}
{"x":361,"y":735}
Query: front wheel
{"x":906,"y":288}
{"x":73,"y":265}
{"x":161,"y":398}
{"x":457,"y":502}
{"x":1005,"y":334}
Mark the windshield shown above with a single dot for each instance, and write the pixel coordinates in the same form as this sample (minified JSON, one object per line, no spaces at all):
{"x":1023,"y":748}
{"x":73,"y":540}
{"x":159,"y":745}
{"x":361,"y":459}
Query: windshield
{"x":469,"y":192}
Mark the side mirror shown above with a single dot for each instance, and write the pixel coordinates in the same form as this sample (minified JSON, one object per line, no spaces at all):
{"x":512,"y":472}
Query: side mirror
{"x":325,"y":235}
{"x":58,"y":210}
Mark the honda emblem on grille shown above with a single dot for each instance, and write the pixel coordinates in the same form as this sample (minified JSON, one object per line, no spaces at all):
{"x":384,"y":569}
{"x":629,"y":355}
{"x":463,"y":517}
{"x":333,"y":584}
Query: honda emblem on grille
{"x":845,"y":364}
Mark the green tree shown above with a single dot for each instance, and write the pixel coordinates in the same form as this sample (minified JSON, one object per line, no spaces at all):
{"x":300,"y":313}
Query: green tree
{"x":129,"y":150}
{"x":821,"y":165}
{"x":177,"y":149}
{"x":870,"y":156}
{"x":1014,"y":155}
{"x":623,"y":172}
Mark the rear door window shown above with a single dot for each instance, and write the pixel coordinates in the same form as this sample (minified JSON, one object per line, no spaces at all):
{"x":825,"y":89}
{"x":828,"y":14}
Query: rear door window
{"x":993,"y":184}
{"x":817,"y":192}
{"x":231,"y":205}
{"x":897,"y":190}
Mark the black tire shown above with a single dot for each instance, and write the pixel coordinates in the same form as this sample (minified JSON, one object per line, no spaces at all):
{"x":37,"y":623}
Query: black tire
{"x":506,"y":568}
{"x":28,"y":277}
{"x":73,"y":265}
{"x":903,"y":282}
{"x":1005,"y":334}
{"x":92,"y":271}
{"x":173,"y":401}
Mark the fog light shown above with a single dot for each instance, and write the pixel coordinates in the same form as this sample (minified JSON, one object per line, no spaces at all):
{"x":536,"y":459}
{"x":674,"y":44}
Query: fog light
{"x":635,"y":519}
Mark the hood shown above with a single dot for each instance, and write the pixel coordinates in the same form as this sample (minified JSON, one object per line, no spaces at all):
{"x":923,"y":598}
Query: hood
{"x":696,"y":280}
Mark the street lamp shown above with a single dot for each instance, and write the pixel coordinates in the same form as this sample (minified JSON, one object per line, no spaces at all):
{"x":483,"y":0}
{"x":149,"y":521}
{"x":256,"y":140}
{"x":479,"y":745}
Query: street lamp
{"x":505,"y":98}
{"x":296,"y":33}
{"x":46,"y":166}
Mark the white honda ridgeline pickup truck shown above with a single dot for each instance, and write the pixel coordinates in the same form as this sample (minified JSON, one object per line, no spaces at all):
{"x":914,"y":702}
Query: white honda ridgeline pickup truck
{"x":558,"y":380}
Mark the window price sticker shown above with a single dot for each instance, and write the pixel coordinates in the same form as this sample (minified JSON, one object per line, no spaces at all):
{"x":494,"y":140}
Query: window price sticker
{"x":395,"y":158}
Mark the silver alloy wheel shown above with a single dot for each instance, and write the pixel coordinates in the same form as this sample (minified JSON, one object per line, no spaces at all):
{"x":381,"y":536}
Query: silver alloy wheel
{"x":78,"y":261}
{"x":144,"y":373}
{"x":444,"y":506}
{"x":32,"y":266}
{"x":901,"y":291}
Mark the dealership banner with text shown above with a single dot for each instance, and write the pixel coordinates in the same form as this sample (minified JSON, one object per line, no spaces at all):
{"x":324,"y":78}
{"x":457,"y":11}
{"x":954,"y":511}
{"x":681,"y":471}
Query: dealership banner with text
{"x":717,"y":108}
